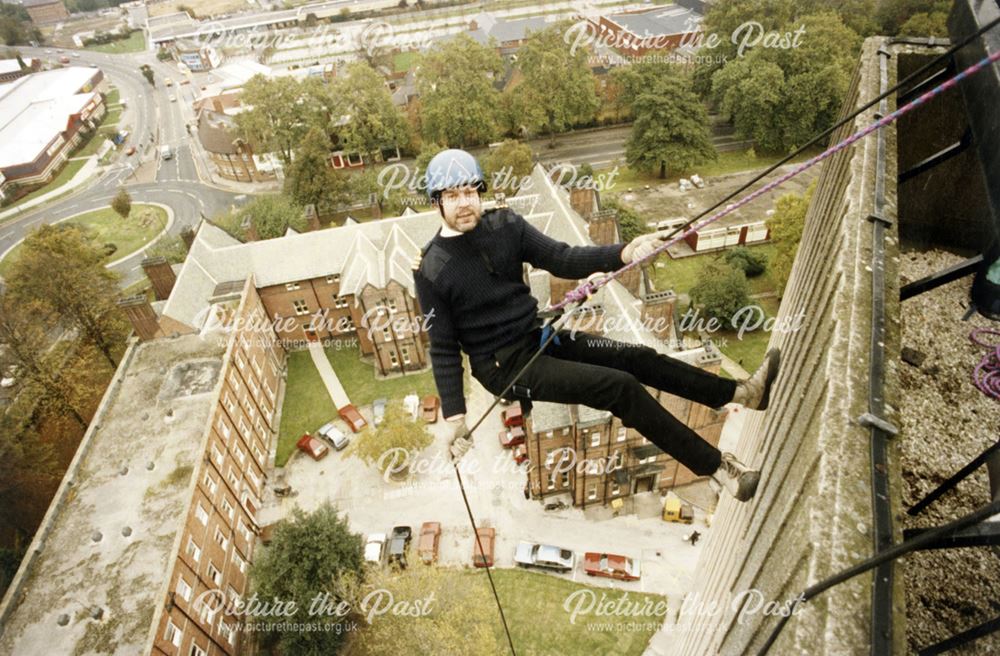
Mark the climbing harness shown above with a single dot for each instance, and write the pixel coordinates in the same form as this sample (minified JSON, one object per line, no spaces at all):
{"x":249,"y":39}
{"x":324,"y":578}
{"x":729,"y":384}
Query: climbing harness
{"x":580,"y":295}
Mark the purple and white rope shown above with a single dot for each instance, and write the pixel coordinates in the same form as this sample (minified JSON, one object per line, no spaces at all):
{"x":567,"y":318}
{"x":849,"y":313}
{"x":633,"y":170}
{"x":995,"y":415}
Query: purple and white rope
{"x":986,"y":375}
{"x":582,"y":292}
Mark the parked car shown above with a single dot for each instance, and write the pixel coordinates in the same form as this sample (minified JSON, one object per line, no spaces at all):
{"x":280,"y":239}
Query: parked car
{"x":511,"y":437}
{"x":697,"y":181}
{"x":532,"y":554}
{"x":427,"y":545}
{"x":411,"y":402}
{"x":172,"y":98}
{"x":333,"y":435}
{"x":399,"y":541}
{"x":312,"y":447}
{"x":684,"y":184}
{"x":375,"y":548}
{"x":611,"y":566}
{"x":378,"y":410}
{"x":429,"y":408}
{"x":484,"y":558}
{"x":130,"y":151}
{"x":353,"y":418}
{"x":520,"y":453}
{"x":64,"y":59}
{"x":512,"y":415}
{"x":167,"y":82}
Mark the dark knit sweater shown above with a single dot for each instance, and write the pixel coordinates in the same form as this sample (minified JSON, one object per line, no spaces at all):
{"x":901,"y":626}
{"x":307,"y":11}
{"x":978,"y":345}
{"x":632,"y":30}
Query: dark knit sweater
{"x":472,"y":292}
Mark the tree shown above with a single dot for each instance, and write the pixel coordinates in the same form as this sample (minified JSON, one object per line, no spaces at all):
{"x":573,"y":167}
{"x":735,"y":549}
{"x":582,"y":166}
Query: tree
{"x":671,"y":125}
{"x":558,"y":78}
{"x":721,"y":290}
{"x":280,"y":112}
{"x":147,"y":73}
{"x":373,"y":121}
{"x":455,"y":611}
{"x":38,"y":366}
{"x":122,"y":203}
{"x":308,"y":557}
{"x":426,"y":154}
{"x":507,"y":165}
{"x":309,"y":177}
{"x":750,"y":263}
{"x":62,"y":270}
{"x":892,"y":16}
{"x":392,"y":444}
{"x":926,"y":24}
{"x":459,"y":104}
{"x":781,"y":98}
{"x":630,"y":224}
{"x":271,"y":216}
{"x":786,"y":225}
{"x":171,"y":247}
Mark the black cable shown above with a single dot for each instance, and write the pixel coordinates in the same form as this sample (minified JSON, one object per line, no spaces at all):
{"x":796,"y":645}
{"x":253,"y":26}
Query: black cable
{"x":892,"y":553}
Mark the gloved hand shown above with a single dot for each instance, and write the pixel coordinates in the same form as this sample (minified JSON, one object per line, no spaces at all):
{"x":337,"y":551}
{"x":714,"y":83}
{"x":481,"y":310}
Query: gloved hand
{"x":643,"y":245}
{"x":461,"y":440}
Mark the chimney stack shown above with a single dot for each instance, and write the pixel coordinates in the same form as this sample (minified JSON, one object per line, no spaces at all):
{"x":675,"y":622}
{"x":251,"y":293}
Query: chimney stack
{"x":658,"y":313}
{"x":161,"y":275}
{"x":141,"y":314}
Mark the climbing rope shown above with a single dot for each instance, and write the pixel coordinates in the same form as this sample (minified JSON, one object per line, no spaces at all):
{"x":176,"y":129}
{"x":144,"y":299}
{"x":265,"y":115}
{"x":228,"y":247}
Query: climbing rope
{"x":582,"y":293}
{"x":986,"y":375}
{"x":588,"y":288}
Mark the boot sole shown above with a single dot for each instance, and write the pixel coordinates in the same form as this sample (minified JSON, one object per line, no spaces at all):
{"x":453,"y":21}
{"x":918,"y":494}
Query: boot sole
{"x":774,"y":356}
{"x":748,"y":489}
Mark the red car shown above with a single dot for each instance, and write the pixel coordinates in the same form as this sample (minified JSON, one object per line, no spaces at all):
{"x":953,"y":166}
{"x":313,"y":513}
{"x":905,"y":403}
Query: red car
{"x":611,"y":566}
{"x":520,"y":453}
{"x":512,"y":416}
{"x":429,"y":408}
{"x":312,"y":447}
{"x":488,"y":536}
{"x":353,"y":418}
{"x":512,"y":437}
{"x":427,"y":545}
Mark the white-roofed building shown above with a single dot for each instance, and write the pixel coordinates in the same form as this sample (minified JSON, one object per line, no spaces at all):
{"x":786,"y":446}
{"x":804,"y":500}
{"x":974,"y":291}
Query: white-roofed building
{"x":42,"y":117}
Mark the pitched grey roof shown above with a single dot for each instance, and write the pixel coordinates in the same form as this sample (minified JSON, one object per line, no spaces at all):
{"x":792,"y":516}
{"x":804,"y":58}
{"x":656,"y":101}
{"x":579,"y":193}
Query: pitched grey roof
{"x":672,"y":19}
{"x":547,"y":416}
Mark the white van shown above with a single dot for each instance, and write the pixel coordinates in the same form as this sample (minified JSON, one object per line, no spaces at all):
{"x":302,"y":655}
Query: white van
{"x":166,"y":152}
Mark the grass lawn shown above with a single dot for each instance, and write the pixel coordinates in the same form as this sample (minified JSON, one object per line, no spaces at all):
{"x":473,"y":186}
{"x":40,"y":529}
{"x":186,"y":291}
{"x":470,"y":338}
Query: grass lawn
{"x":728,"y":162}
{"x":358,"y":378}
{"x":112,"y":97}
{"x":136,"y":42}
{"x":108,"y":227}
{"x":682,"y":274}
{"x":64,"y":176}
{"x":306,"y":407}
{"x":529,"y":596}
{"x":112,"y":115}
{"x":402,"y":61}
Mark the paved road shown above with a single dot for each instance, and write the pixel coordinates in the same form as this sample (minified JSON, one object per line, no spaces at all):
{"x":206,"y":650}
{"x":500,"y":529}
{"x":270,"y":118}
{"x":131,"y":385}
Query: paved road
{"x":177,"y":186}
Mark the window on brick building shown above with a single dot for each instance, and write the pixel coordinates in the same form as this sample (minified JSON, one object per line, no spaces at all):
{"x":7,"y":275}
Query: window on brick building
{"x":301,"y":307}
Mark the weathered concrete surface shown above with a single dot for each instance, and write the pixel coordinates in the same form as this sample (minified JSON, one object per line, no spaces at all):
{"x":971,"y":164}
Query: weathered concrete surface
{"x":812,"y":515}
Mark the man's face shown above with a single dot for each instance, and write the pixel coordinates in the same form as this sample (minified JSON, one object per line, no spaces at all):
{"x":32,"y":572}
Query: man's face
{"x":461,"y":208}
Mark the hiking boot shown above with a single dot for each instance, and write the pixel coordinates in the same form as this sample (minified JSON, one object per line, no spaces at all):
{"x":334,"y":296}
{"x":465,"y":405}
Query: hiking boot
{"x":755,"y":392}
{"x":738,"y":479}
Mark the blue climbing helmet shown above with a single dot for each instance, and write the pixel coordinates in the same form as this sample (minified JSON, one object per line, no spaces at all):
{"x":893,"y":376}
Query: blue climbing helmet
{"x":452,"y":168}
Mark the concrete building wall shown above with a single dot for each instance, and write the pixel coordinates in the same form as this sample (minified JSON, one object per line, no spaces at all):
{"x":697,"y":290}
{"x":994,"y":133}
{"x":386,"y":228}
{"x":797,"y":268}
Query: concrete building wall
{"x":812,"y":514}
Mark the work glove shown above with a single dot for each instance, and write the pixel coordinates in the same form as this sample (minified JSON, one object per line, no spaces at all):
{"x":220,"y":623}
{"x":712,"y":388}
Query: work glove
{"x":461,"y":440}
{"x":643,"y":245}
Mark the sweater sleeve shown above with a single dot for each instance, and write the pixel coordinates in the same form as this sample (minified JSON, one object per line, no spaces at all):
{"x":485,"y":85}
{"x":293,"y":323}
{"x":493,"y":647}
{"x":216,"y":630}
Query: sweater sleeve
{"x":446,"y":354}
{"x":563,"y":260}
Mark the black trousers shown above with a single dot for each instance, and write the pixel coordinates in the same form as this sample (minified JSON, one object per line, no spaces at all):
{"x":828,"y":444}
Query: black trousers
{"x":610,"y":375}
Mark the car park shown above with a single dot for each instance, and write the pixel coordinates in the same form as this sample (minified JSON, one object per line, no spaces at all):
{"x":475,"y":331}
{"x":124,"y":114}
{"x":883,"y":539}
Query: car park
{"x":429,"y":408}
{"x":353,"y":418}
{"x":378,"y":411}
{"x":545,"y":556}
{"x":612,"y":566}
{"x":312,"y":447}
{"x":429,"y":542}
{"x":399,"y":542}
{"x":511,"y":437}
{"x":375,"y":548}
{"x":336,"y":437}
{"x":488,"y":537}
